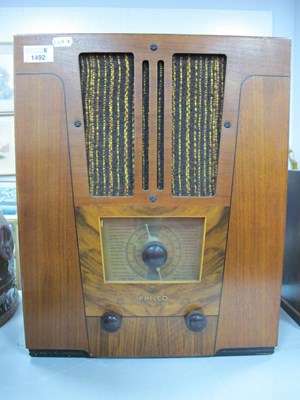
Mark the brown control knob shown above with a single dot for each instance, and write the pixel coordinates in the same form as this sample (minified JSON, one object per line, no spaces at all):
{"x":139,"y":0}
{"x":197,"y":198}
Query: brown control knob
{"x":111,"y":321}
{"x":195,"y":321}
{"x":154,"y":254}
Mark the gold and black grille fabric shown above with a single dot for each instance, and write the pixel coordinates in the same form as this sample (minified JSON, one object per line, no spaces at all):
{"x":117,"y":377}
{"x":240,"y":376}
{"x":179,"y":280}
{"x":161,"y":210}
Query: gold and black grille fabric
{"x":108,"y":107}
{"x":160,"y":124}
{"x":198,"y":92}
{"x":145,"y":125}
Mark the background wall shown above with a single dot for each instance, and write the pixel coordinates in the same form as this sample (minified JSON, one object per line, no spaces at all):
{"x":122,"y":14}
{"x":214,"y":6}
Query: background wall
{"x":283,"y":16}
{"x":295,"y":109}
{"x":282,"y":10}
{"x":28,"y":20}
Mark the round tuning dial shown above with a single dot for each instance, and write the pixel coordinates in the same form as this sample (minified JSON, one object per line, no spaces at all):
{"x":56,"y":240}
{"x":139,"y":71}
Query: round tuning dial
{"x":154,"y":254}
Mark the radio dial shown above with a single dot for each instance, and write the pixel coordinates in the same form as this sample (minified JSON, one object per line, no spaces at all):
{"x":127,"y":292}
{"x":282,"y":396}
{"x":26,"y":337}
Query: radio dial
{"x":154,"y":254}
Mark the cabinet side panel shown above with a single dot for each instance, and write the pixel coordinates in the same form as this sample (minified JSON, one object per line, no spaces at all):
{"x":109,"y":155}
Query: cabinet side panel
{"x":52,"y":294}
{"x":251,"y":292}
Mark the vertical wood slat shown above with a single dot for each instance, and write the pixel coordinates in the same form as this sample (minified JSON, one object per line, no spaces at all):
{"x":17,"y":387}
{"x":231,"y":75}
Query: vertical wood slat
{"x":250,"y":303}
{"x":138,"y":126}
{"x":52,"y":294}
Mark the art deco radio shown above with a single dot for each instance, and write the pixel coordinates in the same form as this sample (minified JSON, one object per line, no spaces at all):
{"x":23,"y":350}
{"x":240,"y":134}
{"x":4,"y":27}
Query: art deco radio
{"x":151,"y":173}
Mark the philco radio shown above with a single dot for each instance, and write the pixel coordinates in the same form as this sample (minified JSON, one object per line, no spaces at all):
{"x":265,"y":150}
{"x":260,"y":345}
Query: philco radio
{"x":152,"y":176}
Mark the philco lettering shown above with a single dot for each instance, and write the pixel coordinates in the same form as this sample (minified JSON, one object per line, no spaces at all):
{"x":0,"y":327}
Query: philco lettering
{"x":153,"y":298}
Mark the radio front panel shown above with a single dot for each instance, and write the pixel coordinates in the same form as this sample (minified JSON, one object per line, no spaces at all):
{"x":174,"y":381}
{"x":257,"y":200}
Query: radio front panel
{"x":144,"y":183}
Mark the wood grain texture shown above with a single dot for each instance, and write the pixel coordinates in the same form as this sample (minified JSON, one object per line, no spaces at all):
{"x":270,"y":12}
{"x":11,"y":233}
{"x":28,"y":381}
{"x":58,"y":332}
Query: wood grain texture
{"x":52,"y":295}
{"x":53,"y":187}
{"x":123,"y":298}
{"x":245,"y":56}
{"x":251,"y":291}
{"x":151,"y":337}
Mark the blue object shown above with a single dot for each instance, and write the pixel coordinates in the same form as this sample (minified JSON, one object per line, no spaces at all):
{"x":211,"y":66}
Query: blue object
{"x":8,"y":200}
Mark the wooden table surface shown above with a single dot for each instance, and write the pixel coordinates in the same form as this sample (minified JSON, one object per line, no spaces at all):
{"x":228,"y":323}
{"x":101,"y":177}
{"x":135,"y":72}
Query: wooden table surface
{"x":272,"y":377}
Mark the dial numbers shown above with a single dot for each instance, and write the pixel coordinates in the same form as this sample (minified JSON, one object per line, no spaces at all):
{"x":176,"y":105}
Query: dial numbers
{"x":152,"y":249}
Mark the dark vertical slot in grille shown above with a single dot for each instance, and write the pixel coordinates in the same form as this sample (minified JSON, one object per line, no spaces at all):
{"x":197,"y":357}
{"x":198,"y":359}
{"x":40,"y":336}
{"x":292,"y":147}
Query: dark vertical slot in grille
{"x":198,"y":92}
{"x":108,"y":108}
{"x":160,"y":125}
{"x":145,"y":125}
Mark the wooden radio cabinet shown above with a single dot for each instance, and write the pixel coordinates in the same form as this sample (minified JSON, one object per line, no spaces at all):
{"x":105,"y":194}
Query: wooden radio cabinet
{"x":151,"y":176}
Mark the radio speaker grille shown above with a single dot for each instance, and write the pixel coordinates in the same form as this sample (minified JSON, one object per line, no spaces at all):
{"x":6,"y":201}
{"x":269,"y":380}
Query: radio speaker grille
{"x":198,"y":92}
{"x":145,"y":124}
{"x":108,"y":108}
{"x":160,"y":125}
{"x":107,"y":82}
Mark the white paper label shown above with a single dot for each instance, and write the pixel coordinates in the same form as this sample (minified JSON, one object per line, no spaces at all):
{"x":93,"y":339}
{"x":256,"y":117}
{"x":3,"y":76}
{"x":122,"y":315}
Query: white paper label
{"x":38,"y":54}
{"x":62,"y":41}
